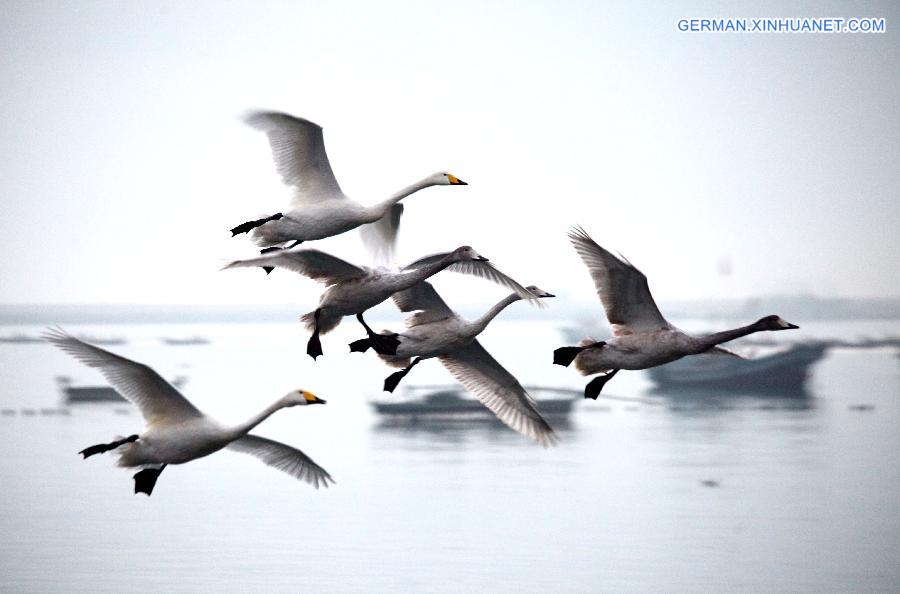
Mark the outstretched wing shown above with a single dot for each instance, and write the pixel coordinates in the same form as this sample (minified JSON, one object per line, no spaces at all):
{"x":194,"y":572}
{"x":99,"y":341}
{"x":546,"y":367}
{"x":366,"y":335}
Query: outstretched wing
{"x":622,"y":288}
{"x":498,"y":390}
{"x":284,"y":458}
{"x":299,"y":153}
{"x":480,"y":268}
{"x":310,"y":263}
{"x":425,"y":301}
{"x":157,"y":399}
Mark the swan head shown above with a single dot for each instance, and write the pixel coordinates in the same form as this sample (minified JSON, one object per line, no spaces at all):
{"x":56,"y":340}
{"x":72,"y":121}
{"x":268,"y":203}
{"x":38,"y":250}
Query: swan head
{"x":538,"y":292}
{"x":467,"y":252}
{"x":775,"y":323}
{"x":302,"y":398}
{"x":442,"y":178}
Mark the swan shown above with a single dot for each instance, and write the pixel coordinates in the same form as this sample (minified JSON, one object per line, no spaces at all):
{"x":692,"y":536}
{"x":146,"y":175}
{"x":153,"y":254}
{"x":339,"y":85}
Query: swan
{"x":354,"y":289}
{"x":176,"y":432}
{"x":437,"y":331}
{"x":642,"y":337}
{"x":318,"y":207}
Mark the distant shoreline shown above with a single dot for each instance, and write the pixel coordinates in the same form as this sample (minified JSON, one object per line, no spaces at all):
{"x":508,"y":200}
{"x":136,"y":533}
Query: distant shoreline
{"x":791,"y":307}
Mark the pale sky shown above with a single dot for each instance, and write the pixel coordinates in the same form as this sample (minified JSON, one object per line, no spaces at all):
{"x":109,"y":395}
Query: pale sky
{"x":125,"y":161}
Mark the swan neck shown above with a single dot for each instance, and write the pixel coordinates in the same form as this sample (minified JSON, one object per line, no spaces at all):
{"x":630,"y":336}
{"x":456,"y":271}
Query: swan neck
{"x":382,"y":207}
{"x":428,"y":270}
{"x":490,"y":314}
{"x":710,"y":340}
{"x":247,"y":426}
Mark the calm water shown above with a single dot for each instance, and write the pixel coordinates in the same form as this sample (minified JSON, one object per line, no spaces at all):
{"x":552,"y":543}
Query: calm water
{"x":806,"y":496}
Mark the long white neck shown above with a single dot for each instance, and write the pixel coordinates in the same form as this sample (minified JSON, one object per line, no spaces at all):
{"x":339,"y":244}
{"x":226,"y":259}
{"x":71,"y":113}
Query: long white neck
{"x":247,"y":426}
{"x":382,"y":207}
{"x":482,"y":322}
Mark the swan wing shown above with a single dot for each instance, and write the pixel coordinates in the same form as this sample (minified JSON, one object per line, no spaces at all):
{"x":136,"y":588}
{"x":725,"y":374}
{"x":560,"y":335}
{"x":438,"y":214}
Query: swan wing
{"x":425,"y":301}
{"x":480,"y":268}
{"x":622,"y":288}
{"x":498,"y":390}
{"x":284,"y":458}
{"x":310,"y":263}
{"x":298,"y":149}
{"x":486,"y":270}
{"x":157,"y":399}
{"x":380,"y":237}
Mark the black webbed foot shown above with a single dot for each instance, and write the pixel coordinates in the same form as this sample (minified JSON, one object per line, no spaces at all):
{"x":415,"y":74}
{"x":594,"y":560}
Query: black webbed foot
{"x":101,"y":448}
{"x":145,"y":480}
{"x":314,"y":346}
{"x":251,"y":225}
{"x":391,"y":381}
{"x":593,"y":388}
{"x":360,"y":346}
{"x":384,"y":344}
{"x":565,"y":355}
{"x":269,"y":250}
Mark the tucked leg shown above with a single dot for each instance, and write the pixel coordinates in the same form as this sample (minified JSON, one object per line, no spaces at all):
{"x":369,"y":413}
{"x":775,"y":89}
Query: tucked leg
{"x":145,"y":480}
{"x":592,"y":390}
{"x":314,"y":346}
{"x":390,"y":383}
{"x":251,"y":225}
{"x":100,"y":448}
{"x":384,"y":344}
{"x":565,"y":355}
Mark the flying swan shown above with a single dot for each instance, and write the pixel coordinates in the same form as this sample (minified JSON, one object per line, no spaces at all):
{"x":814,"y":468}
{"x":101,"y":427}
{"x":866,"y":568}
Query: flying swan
{"x":434,"y":330}
{"x":318,"y":207}
{"x":642,"y":337}
{"x":176,"y":432}
{"x":354,"y":289}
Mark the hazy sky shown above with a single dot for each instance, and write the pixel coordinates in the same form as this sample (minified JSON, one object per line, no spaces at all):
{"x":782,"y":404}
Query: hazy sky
{"x":125,"y":161}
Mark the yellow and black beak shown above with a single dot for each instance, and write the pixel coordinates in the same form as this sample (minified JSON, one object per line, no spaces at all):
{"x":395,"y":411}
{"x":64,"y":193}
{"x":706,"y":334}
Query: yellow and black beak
{"x":312,"y":398}
{"x":455,"y":181}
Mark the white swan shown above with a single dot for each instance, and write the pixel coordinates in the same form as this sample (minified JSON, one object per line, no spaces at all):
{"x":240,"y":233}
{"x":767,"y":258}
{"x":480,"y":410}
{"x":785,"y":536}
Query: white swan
{"x":642,"y":337}
{"x":318,"y":207}
{"x":437,"y":331}
{"x":354,"y":289}
{"x":176,"y":432}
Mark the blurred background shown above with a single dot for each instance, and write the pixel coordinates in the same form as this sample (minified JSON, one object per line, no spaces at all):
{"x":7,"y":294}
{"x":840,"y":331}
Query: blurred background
{"x":746,"y":175}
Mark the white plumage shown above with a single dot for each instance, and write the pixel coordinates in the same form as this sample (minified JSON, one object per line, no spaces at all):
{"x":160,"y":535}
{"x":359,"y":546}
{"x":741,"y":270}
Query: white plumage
{"x":318,"y":207}
{"x":434,"y":330}
{"x":176,"y":431}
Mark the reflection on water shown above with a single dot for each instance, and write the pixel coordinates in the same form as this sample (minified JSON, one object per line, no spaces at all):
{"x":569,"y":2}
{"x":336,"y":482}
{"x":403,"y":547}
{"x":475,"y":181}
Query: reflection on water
{"x":648,"y":490}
